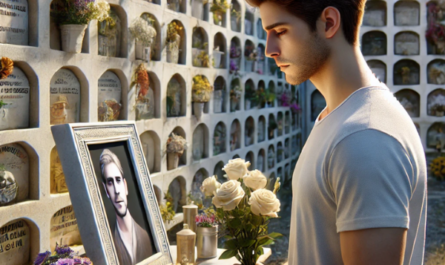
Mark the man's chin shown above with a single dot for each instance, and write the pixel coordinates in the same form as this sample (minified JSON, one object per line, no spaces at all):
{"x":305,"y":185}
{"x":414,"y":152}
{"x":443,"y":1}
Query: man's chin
{"x":120,"y":212}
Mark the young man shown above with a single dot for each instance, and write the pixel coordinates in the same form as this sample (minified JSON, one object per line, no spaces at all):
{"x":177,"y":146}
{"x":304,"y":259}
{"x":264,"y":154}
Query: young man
{"x":359,"y":187}
{"x":132,"y":242}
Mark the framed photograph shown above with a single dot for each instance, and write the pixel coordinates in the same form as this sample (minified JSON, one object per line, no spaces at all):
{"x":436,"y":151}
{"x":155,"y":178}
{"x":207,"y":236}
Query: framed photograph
{"x":112,"y":194}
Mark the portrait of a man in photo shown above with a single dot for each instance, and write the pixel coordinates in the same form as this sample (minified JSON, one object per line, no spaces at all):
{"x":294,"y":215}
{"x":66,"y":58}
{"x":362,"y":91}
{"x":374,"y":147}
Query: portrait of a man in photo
{"x":132,"y":242}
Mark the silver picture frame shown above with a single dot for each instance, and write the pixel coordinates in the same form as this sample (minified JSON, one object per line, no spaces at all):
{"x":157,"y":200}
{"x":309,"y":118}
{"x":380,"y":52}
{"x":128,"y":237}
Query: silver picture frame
{"x":73,"y":141}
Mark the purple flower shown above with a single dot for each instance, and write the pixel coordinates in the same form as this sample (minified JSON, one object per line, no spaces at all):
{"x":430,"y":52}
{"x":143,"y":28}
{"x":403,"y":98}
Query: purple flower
{"x":41,"y":258}
{"x":233,"y":65}
{"x":294,"y":107}
{"x":65,"y":262}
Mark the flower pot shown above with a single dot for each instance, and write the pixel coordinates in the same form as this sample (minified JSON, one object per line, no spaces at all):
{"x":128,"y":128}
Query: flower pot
{"x":172,"y":54}
{"x":197,"y":9}
{"x":207,"y":242}
{"x":198,"y":108}
{"x":143,"y":52}
{"x":196,"y":62}
{"x":217,"y":55}
{"x":72,"y":37}
{"x":172,"y":161}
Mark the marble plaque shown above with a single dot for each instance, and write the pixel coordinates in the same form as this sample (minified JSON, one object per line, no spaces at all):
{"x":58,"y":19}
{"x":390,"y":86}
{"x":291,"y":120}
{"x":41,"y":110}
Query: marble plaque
{"x":14,"y":22}
{"x":15,"y":161}
{"x":374,"y":18}
{"x":109,"y":98}
{"x":14,"y":243}
{"x":407,"y":44}
{"x":14,"y":93}
{"x":64,"y":230}
{"x":406,"y":13}
{"x":64,"y":98}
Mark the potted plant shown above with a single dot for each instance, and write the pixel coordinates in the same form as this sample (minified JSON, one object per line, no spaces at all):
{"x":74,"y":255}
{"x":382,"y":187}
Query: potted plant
{"x":235,"y":53}
{"x":198,"y":8}
{"x":201,"y":89}
{"x":109,"y":35}
{"x":250,"y":96}
{"x":166,"y":209}
{"x":435,"y":34}
{"x":174,"y":5}
{"x":272,"y":127}
{"x":73,"y":18}
{"x":144,"y":33}
{"x":219,"y":9}
{"x":176,"y":145}
{"x":250,"y":57}
{"x":173,"y":42}
{"x":235,"y":17}
{"x":235,"y":96}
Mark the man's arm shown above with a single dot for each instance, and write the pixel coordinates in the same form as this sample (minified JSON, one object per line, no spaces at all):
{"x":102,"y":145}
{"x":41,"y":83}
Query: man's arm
{"x":375,"y":246}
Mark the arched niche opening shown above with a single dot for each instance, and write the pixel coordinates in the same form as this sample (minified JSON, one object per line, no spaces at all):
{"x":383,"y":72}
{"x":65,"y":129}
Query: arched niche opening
{"x":235,"y":95}
{"x":219,"y":139}
{"x":219,"y":173}
{"x":272,"y":127}
{"x":20,"y":100}
{"x":177,"y":6}
{"x":406,"y":43}
{"x":26,"y":242}
{"x":280,"y":152}
{"x":235,"y":135}
{"x":178,"y":191}
{"x":250,"y":157}
{"x":436,"y":135}
{"x":219,"y":51}
{"x":271,"y":181}
{"x":261,"y":129}
{"x":374,"y":43}
{"x":261,"y":33}
{"x":69,"y":96}
{"x":112,"y":33}
{"x":379,"y":69}
{"x":219,"y":95}
{"x":158,"y":194}
{"x":280,"y":123}
{"x":249,"y":132}
{"x":261,"y":163}
{"x":287,"y":122}
{"x":235,"y":16}
{"x":109,"y":97}
{"x":375,"y":14}
{"x":151,"y":145}
{"x":235,"y":55}
{"x":436,"y":72}
{"x":148,"y":101}
{"x":57,"y":177}
{"x":287,"y":148}
{"x":436,"y":102}
{"x":236,"y":156}
{"x":24,"y":18}
{"x":406,"y":72}
{"x":261,"y":91}
{"x":287,"y":174}
{"x":196,"y":194}
{"x":55,"y":35}
{"x":248,"y":22}
{"x":18,"y":161}
{"x":270,"y":94}
{"x":200,"y":47}
{"x":157,"y":2}
{"x":200,"y":9}
{"x":156,"y":47}
{"x":176,"y":97}
{"x":406,"y":13}
{"x":410,"y":100}
{"x":183,"y":158}
{"x":177,"y":44}
{"x":271,"y":157}
{"x":279,"y":174}
{"x":318,"y":103}
{"x":261,"y":68}
{"x":200,"y":145}
{"x":219,"y":13}
{"x":250,"y":95}
{"x":63,"y":228}
{"x":250,"y":56}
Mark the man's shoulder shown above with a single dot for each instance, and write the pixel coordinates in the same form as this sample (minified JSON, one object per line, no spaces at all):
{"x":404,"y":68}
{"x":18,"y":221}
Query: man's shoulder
{"x":141,"y":233}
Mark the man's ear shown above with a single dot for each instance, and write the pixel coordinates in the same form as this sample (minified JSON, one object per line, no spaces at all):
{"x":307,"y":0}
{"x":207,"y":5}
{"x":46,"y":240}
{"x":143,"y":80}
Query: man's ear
{"x":126,"y":187}
{"x":331,"y":19}
{"x":106,"y":191}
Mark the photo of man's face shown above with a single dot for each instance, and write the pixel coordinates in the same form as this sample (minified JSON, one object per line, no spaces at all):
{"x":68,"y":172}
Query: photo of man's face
{"x":124,"y":207}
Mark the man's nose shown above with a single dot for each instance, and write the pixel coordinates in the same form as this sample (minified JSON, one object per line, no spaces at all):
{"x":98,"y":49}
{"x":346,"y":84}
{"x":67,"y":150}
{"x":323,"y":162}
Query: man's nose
{"x":272,"y":47}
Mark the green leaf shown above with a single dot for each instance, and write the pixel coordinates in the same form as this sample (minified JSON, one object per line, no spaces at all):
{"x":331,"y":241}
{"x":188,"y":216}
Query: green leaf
{"x":231,"y":244}
{"x":228,"y":254}
{"x":244,"y":243}
{"x":267,"y":242}
{"x":275,"y":235}
{"x":256,"y":220}
{"x":260,"y":251}
{"x":235,"y":223}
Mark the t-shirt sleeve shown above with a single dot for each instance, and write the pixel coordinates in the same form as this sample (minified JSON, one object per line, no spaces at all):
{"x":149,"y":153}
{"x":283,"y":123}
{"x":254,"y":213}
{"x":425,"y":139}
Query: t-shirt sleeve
{"x":372,"y":180}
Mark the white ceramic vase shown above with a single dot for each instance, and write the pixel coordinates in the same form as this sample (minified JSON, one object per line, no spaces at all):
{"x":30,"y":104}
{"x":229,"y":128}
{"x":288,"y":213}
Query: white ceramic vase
{"x":172,"y":54}
{"x":198,"y":108}
{"x":72,"y":37}
{"x":217,"y":55}
{"x":142,"y":52}
{"x":172,"y":161}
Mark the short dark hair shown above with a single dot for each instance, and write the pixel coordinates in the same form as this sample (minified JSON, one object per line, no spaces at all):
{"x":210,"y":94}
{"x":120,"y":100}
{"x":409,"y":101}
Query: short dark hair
{"x":351,"y":12}
{"x":106,"y":158}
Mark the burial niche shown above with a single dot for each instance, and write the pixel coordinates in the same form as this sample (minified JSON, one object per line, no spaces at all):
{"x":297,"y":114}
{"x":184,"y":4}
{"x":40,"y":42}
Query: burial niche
{"x":235,"y":16}
{"x":287,"y":122}
{"x":219,"y":95}
{"x":154,"y":50}
{"x":410,"y":100}
{"x":235,"y":95}
{"x":248,"y":23}
{"x":110,"y":34}
{"x":406,"y":13}
{"x":147,"y":101}
{"x":219,"y":173}
{"x":436,"y":103}
{"x":183,"y":157}
{"x":249,"y":131}
{"x":250,"y":56}
{"x":176,"y":96}
{"x":196,"y":194}
{"x":261,"y":129}
{"x":270,"y":157}
{"x":64,"y":97}
{"x":250,"y":95}
{"x":406,"y":43}
{"x":179,"y":193}
{"x":16,"y":244}
{"x":374,"y":43}
{"x":235,"y":135}
{"x":219,"y":51}
{"x":261,"y":33}
{"x":436,"y":72}
{"x":280,"y":123}
{"x":200,"y":142}
{"x":287,"y":148}
{"x":200,"y":49}
{"x":235,"y":55}
{"x":151,"y":145}
{"x":109,"y":98}
{"x":14,"y":22}
{"x":379,"y":69}
{"x":406,"y":72}
{"x":280,"y":152}
{"x":177,"y":5}
{"x":200,"y":9}
{"x":375,"y":14}
{"x":436,"y":135}
{"x":260,"y":69}
{"x":261,"y":160}
{"x":272,"y":127}
{"x":219,"y":139}
{"x":250,"y":158}
{"x":64,"y":229}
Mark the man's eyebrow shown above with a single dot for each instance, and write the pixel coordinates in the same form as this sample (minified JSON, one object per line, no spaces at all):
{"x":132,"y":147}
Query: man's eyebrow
{"x":275,"y":25}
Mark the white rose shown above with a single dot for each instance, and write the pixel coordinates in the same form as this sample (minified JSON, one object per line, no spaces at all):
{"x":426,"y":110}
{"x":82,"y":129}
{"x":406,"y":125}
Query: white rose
{"x":264,"y":202}
{"x":229,"y":195}
{"x":236,"y":168}
{"x":255,"y":180}
{"x":209,"y":186}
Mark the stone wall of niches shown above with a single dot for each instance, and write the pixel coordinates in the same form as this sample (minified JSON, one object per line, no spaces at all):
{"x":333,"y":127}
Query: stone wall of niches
{"x":44,"y":76}
{"x":394,"y":39}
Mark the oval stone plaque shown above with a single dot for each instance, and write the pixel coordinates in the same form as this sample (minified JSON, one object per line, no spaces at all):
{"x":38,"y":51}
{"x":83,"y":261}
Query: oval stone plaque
{"x":14,"y":22}
{"x":64,"y":228}
{"x":65,"y":97}
{"x":14,"y":101}
{"x":109,"y":97}
{"x":14,"y":243}
{"x":14,"y":184}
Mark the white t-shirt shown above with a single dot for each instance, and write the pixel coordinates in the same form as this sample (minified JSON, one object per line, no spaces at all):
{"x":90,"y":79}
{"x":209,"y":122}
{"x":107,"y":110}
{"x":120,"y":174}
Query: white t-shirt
{"x":363,"y":166}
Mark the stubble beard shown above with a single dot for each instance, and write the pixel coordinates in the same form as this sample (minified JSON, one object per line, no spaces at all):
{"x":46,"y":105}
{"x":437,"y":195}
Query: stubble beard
{"x":311,"y":59}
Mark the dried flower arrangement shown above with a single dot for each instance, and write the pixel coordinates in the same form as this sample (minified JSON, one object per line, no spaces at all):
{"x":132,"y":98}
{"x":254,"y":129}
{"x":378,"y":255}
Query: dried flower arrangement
{"x":218,"y":8}
{"x":201,"y":89}
{"x":7,"y":67}
{"x":235,"y":93}
{"x":202,"y":59}
{"x":142,"y":31}
{"x":173,"y":30}
{"x":79,"y":11}
{"x":176,"y":144}
{"x":166,"y":209}
{"x":437,"y":167}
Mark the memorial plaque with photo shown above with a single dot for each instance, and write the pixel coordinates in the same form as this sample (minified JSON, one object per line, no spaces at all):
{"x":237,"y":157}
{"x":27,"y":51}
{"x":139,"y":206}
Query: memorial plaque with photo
{"x":109,"y":98}
{"x":14,"y":22}
{"x":14,"y":101}
{"x":64,"y":230}
{"x":14,"y":174}
{"x":65,"y":97}
{"x":14,"y":243}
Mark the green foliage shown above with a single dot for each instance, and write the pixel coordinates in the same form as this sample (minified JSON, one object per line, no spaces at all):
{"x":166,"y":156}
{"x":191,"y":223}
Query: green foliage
{"x":2,"y":103}
{"x":79,"y":12}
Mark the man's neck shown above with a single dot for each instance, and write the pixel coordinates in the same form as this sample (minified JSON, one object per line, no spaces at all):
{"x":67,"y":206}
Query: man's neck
{"x":125,"y":223}
{"x":343,"y":73}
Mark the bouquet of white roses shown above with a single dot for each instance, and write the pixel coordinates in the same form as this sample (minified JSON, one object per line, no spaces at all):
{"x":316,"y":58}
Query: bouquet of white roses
{"x":244,"y":208}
